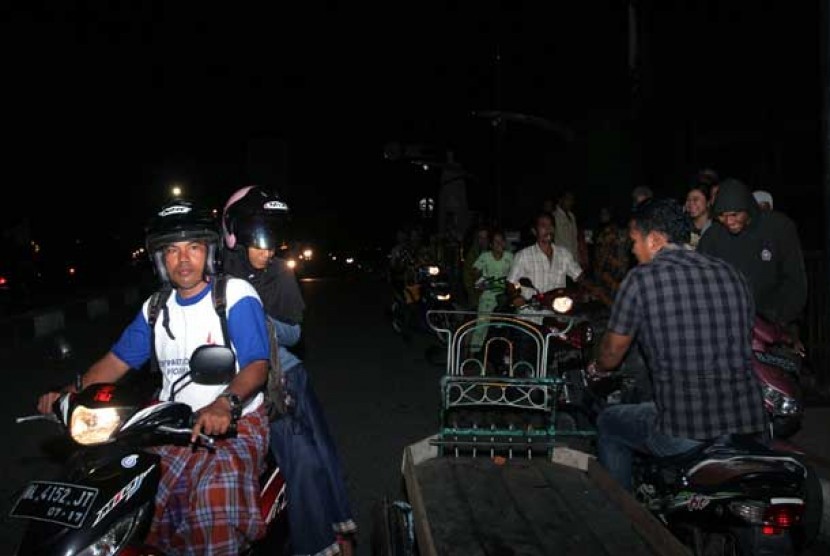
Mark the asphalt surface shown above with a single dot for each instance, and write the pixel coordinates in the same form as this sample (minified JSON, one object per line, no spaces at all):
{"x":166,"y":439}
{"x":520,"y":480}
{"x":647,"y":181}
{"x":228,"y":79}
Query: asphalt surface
{"x":380,"y":394}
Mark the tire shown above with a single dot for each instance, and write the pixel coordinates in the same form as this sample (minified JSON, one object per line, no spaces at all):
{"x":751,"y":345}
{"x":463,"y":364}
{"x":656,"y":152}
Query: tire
{"x":814,"y":504}
{"x":392,"y":533}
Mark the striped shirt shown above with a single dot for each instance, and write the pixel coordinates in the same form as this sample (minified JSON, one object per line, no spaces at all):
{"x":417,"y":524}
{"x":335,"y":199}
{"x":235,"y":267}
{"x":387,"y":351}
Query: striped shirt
{"x":693,"y":315}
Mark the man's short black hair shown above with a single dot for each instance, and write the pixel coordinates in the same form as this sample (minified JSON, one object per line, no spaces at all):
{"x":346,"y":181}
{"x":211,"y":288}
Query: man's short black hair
{"x":664,"y":216}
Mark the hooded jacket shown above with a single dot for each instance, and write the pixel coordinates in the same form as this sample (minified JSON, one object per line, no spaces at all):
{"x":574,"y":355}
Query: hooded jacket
{"x":767,"y":251}
{"x":276,"y":285}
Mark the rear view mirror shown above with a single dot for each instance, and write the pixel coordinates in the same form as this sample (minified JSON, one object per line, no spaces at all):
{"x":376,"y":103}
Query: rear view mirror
{"x":212,"y":365}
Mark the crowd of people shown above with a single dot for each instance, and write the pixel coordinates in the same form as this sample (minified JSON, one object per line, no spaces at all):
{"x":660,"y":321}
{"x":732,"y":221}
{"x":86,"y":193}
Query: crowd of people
{"x":685,"y":280}
{"x":740,"y":226}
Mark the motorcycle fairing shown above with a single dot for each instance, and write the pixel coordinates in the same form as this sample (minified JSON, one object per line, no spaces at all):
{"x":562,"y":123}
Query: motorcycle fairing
{"x":126,"y":481}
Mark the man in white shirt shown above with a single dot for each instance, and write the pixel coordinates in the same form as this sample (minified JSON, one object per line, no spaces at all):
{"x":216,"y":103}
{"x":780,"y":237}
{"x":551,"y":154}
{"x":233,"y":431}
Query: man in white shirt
{"x":546,"y":264}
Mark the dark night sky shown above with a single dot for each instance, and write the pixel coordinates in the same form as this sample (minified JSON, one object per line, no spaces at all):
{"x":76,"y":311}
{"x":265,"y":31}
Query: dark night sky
{"x":129,"y":97}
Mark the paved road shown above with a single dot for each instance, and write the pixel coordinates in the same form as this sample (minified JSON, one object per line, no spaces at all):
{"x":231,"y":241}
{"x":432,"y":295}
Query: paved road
{"x":379,"y":393}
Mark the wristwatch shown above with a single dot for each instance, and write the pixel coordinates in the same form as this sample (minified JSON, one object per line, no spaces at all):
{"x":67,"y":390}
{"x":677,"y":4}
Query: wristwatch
{"x":235,"y":403}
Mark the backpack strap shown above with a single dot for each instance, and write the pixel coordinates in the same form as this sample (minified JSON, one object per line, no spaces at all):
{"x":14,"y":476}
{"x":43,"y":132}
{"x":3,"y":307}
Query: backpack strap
{"x":220,"y":303}
{"x":158,"y":303}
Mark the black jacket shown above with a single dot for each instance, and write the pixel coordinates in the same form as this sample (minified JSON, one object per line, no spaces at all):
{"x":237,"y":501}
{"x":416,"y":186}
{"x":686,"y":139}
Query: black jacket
{"x":277,"y":285}
{"x":767,"y":251}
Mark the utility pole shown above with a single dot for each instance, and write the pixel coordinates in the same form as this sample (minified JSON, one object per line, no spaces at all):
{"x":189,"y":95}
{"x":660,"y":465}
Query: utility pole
{"x":825,"y":57}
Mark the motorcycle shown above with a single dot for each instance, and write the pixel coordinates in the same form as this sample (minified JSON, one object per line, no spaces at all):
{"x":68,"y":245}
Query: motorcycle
{"x":732,"y":496}
{"x":103,"y":502}
{"x":431,"y":290}
{"x":778,"y":365}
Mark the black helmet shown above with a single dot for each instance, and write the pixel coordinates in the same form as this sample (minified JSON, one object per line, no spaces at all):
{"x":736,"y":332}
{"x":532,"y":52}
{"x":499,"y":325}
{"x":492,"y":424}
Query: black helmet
{"x":181,"y":220}
{"x":254,"y":217}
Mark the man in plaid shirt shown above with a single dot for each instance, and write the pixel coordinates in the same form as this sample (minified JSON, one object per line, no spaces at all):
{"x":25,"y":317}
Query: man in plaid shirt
{"x":692,"y":314}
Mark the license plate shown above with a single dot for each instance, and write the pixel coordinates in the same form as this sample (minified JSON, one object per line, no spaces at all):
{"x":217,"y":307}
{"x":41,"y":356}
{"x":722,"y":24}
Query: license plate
{"x":61,"y":503}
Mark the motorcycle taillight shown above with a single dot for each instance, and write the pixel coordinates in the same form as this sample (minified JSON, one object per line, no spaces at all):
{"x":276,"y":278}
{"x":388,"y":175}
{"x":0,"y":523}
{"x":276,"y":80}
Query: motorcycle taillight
{"x":783,"y":516}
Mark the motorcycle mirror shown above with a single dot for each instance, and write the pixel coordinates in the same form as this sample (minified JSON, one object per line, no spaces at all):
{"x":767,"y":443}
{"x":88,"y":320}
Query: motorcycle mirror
{"x":212,"y":365}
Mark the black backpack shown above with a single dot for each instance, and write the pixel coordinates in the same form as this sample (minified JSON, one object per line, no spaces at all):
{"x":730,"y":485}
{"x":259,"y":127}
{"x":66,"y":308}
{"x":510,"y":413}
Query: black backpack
{"x":274,"y":390}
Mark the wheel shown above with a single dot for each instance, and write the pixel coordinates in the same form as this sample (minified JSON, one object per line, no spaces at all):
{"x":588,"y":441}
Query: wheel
{"x":392,"y":530}
{"x":813,"y":506}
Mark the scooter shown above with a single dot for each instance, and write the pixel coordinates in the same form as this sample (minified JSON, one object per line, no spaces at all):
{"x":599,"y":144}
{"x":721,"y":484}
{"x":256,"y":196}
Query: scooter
{"x":736,"y":495}
{"x":733,"y":497}
{"x":103,"y":502}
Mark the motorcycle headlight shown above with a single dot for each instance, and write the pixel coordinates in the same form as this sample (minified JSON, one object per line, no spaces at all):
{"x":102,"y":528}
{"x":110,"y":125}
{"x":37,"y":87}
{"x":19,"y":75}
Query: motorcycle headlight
{"x":781,"y":403}
{"x":443,"y":296}
{"x":111,"y":542}
{"x":433,"y":270}
{"x":562,"y":304}
{"x":93,"y":426}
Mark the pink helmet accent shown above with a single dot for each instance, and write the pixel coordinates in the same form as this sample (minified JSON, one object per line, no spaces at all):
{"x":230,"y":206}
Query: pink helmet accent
{"x":230,"y":239}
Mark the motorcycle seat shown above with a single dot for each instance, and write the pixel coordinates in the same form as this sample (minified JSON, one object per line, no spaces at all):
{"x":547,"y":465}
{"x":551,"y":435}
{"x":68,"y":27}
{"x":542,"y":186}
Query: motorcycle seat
{"x":683,"y":459}
{"x":716,"y":448}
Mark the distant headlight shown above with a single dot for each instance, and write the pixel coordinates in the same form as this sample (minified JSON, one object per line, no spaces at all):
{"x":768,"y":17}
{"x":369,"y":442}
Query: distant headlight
{"x":433,"y":270}
{"x":562,"y":304}
{"x":443,"y":297}
{"x":93,"y":426}
{"x":307,"y":254}
{"x":291,"y":263}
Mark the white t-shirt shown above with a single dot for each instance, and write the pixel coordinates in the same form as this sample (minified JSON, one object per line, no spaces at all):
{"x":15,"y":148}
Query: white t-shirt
{"x":193,"y":322}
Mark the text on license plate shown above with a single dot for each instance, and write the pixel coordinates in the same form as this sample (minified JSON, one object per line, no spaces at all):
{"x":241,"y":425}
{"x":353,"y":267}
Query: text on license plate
{"x":60,"y":503}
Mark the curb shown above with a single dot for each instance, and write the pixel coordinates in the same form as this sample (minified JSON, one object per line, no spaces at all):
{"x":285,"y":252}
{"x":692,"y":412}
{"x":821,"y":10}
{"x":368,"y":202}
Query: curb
{"x":40,"y":323}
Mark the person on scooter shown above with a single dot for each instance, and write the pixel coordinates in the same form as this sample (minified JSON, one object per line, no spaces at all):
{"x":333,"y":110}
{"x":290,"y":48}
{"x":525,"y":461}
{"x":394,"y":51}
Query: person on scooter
{"x":207,"y":502}
{"x":319,"y":513}
{"x":692,"y":315}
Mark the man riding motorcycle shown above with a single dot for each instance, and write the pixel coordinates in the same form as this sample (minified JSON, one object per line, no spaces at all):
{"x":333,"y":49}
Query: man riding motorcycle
{"x":207,"y":502}
{"x":692,"y":314}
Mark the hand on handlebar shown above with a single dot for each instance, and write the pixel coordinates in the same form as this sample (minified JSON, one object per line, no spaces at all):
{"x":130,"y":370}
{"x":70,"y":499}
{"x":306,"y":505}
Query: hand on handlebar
{"x":593,"y":373}
{"x":214,"y":420}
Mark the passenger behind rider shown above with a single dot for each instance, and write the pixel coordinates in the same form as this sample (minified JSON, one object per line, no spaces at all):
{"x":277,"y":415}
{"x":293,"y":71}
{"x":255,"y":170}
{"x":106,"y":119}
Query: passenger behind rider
{"x":765,"y":247}
{"x":319,"y":513}
{"x":692,"y":315}
{"x":207,"y":502}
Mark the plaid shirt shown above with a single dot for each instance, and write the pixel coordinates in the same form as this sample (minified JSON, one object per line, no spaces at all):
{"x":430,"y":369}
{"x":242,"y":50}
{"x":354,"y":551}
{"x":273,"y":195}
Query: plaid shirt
{"x":693,"y":315}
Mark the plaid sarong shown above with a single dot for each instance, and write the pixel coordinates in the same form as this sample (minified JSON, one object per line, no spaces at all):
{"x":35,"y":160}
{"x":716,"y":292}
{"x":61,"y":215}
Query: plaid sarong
{"x":207,"y":502}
